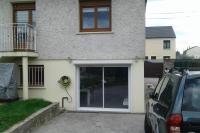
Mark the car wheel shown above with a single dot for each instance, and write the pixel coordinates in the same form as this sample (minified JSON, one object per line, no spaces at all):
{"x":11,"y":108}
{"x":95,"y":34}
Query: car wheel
{"x":147,"y":127}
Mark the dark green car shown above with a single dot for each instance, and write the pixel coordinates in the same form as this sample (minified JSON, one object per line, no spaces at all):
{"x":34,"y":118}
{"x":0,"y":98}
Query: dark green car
{"x":174,"y":106}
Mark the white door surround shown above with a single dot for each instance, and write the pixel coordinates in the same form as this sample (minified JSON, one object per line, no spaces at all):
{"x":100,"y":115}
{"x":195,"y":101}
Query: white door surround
{"x":94,"y":109}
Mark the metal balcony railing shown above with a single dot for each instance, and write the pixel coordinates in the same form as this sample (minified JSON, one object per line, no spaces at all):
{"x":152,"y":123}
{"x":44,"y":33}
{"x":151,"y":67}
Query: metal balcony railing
{"x":17,"y":37}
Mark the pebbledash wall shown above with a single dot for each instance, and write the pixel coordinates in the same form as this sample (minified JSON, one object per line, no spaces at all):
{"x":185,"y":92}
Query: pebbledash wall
{"x":60,"y":45}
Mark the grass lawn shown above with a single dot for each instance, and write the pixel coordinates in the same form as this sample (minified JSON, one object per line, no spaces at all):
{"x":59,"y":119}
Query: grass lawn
{"x":12,"y":113}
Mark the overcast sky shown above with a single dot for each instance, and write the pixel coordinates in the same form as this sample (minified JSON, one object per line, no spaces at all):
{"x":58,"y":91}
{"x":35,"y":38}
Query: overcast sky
{"x":183,"y":15}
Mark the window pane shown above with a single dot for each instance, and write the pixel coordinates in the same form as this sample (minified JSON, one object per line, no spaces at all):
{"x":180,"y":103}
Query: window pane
{"x":163,"y":86}
{"x":91,"y":89}
{"x":116,"y":87}
{"x":88,"y":18}
{"x":153,"y":57}
{"x":192,"y":95}
{"x":22,"y":17}
{"x":35,"y":75}
{"x":33,"y":18}
{"x":168,"y":90}
{"x":166,"y":57}
{"x":158,"y":87}
{"x":103,"y":17}
{"x":166,"y":44}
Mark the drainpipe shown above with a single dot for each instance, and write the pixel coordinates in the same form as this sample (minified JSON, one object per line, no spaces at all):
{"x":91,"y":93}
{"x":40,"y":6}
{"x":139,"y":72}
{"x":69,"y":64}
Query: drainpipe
{"x":63,"y":98}
{"x":25,"y":77}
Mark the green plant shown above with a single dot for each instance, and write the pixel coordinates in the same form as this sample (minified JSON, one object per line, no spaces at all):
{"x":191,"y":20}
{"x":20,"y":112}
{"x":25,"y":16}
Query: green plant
{"x":65,"y":82}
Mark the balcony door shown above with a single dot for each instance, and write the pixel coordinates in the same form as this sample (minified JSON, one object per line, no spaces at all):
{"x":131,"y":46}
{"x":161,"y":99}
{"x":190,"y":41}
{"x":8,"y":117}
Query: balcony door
{"x":24,"y":21}
{"x":103,"y":88}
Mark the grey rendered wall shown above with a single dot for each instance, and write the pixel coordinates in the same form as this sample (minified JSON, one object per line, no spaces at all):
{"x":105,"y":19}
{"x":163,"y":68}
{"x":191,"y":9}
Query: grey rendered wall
{"x":58,"y":31}
{"x":6,"y":11}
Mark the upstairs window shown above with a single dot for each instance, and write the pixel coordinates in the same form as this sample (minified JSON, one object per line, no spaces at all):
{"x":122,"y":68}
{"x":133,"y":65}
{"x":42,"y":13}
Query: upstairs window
{"x":24,"y":13}
{"x":24,"y":19}
{"x":95,"y":16}
{"x":166,"y":44}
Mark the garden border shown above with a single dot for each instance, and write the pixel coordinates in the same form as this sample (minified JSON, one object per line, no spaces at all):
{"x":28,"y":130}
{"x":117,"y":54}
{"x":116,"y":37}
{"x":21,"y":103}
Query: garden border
{"x":36,"y":119}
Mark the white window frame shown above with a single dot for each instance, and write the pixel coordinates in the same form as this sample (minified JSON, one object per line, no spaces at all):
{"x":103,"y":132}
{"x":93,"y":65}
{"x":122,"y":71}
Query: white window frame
{"x":96,"y":64}
{"x":165,"y":45}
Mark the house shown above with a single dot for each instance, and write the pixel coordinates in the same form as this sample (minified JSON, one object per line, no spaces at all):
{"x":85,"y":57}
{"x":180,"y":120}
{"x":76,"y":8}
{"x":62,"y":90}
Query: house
{"x":193,"y":52}
{"x":160,"y":43}
{"x":98,"y":45}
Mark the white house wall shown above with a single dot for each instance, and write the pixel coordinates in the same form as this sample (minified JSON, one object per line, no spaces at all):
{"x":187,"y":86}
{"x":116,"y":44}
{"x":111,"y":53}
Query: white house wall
{"x":154,"y":47}
{"x":137,"y":87}
{"x":54,"y":69}
{"x":194,"y":52}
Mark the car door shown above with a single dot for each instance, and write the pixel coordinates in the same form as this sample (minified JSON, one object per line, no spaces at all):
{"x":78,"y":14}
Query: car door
{"x":151,"y":102}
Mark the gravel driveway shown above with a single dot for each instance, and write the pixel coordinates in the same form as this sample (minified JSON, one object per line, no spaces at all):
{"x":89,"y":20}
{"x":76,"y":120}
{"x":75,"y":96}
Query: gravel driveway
{"x":94,"y":123}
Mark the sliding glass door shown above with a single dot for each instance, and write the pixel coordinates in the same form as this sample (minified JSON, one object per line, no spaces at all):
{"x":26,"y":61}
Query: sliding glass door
{"x":115,"y":87}
{"x":104,"y":87}
{"x":91,"y":89}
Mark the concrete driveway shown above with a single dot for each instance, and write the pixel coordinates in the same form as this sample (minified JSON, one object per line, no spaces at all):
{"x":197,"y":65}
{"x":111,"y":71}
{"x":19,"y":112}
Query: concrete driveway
{"x":94,"y":123}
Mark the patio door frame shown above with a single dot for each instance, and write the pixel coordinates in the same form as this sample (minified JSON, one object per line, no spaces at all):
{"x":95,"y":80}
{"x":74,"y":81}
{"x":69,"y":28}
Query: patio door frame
{"x":102,"y":109}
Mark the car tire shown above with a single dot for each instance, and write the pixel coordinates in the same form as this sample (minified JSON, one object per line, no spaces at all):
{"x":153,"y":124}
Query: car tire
{"x":147,"y":128}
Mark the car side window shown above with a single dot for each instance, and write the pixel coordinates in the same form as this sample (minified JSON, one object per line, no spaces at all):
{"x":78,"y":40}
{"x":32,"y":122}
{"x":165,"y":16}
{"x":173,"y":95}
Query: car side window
{"x":158,"y":87}
{"x":192,"y":95}
{"x":168,"y":90}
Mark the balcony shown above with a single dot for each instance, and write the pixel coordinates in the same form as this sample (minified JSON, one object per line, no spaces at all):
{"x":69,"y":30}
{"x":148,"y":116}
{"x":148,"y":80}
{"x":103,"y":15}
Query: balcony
{"x":17,"y":40}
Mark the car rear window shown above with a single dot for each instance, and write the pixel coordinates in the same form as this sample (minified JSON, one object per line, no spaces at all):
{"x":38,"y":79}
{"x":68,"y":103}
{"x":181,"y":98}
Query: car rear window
{"x":168,"y":90}
{"x":191,"y":99}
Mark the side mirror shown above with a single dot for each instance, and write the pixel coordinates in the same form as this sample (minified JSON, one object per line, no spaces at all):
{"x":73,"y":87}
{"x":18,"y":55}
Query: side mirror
{"x":151,"y":95}
{"x":150,"y":86}
{"x":150,"y":91}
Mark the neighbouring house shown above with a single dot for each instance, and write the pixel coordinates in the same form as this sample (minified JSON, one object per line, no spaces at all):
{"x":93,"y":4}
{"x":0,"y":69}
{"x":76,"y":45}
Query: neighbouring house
{"x":98,"y":44}
{"x":160,"y":43}
{"x":193,"y":52}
